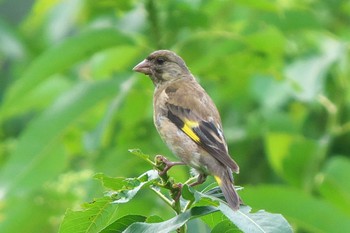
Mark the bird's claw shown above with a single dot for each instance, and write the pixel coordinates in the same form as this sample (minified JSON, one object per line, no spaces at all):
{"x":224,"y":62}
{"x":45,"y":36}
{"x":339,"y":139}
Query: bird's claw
{"x":163,"y":164}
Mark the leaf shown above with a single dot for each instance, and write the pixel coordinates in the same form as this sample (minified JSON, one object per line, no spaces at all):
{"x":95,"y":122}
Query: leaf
{"x":102,"y":212}
{"x":141,"y":155}
{"x":154,"y":219}
{"x":260,"y":221}
{"x":309,"y":213}
{"x":58,"y":58}
{"x":277,"y":146}
{"x":187,"y":193}
{"x":171,"y":224}
{"x":247,"y":221}
{"x":293,"y":157}
{"x":127,"y":193}
{"x":11,"y":45}
{"x":122,"y":183}
{"x":32,"y":214}
{"x":335,"y":185}
{"x":225,"y":226}
{"x":94,"y":218}
{"x":307,"y":76}
{"x":263,"y":5}
{"x":261,"y":41}
{"x":35,"y":150}
{"x":93,"y":140}
{"x":270,"y":93}
{"x":117,"y":183}
{"x":122,"y":223}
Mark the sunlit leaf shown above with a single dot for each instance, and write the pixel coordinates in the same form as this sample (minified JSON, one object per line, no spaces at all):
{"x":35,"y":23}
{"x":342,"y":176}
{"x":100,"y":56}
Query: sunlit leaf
{"x":335,"y":185}
{"x":93,"y":218}
{"x":34,"y":151}
{"x":171,"y":224}
{"x":293,"y":157}
{"x":225,"y":226}
{"x":122,"y":184}
{"x":141,"y":155}
{"x":154,"y":218}
{"x":64,"y":56}
{"x":187,"y":193}
{"x":307,"y":76}
{"x":260,"y":221}
{"x":133,"y":186}
{"x":121,"y":224}
{"x":302,"y":209}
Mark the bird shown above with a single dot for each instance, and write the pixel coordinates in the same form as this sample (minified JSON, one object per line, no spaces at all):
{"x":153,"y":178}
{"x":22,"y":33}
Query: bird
{"x":188,"y":121}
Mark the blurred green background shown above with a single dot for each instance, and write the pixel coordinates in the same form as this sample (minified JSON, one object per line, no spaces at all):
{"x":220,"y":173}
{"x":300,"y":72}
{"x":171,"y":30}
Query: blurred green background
{"x":70,"y":106}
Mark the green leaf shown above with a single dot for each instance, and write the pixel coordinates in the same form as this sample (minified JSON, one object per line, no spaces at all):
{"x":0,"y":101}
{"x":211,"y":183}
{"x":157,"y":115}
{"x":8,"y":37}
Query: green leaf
{"x":293,"y":157}
{"x":94,"y":139}
{"x":269,"y":92}
{"x":94,"y":218}
{"x":188,"y":193}
{"x":307,"y":76}
{"x":261,"y":41}
{"x":121,"y":224}
{"x":173,"y":223}
{"x":36,"y":149}
{"x":247,"y":221}
{"x":260,"y":221}
{"x":278,"y":145}
{"x":11,"y":45}
{"x":117,"y":183}
{"x":102,"y":212}
{"x":59,"y":58}
{"x":264,"y":5}
{"x":122,"y":183}
{"x":141,"y":155}
{"x":154,"y":219}
{"x":301,"y":209}
{"x":335,"y":185}
{"x":33,"y":215}
{"x":132,"y":186}
{"x":225,"y":226}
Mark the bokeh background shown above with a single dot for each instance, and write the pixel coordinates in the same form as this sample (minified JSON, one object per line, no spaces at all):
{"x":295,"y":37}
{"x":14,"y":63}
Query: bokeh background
{"x":71,"y":107}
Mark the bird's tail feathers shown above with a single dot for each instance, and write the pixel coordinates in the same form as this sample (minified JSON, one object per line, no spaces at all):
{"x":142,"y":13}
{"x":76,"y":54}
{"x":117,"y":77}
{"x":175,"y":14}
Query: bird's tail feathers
{"x":228,"y":190}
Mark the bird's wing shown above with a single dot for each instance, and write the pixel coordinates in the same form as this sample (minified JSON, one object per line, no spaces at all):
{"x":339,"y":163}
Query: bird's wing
{"x":198,"y":123}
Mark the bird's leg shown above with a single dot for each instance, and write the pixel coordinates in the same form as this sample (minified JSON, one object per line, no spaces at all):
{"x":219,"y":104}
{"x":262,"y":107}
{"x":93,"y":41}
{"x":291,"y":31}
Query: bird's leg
{"x":200,"y":180}
{"x":165,"y":164}
{"x":176,"y":193}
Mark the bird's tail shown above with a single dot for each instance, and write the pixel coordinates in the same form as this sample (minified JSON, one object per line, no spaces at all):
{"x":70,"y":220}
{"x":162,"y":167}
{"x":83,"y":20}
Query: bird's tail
{"x":225,"y":182}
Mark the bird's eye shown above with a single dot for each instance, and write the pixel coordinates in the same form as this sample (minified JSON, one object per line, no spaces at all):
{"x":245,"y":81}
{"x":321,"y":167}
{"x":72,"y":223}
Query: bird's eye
{"x":160,"y":60}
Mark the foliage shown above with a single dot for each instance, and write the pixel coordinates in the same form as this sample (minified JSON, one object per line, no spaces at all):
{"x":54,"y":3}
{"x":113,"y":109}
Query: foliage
{"x":100,"y":215}
{"x":70,"y":106}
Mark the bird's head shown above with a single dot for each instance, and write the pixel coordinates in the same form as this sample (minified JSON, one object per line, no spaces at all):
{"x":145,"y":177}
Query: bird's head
{"x":163,"y":66}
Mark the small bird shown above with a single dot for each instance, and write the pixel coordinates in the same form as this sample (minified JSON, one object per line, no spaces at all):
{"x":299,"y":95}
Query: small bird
{"x":188,"y":121}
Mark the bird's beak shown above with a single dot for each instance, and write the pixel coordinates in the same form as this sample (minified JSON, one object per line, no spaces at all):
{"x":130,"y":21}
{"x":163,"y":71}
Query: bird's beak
{"x":143,"y":67}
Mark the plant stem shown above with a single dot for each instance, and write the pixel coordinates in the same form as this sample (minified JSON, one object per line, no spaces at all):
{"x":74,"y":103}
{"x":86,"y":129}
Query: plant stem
{"x":188,"y":205}
{"x":162,"y":165}
{"x":163,"y":197}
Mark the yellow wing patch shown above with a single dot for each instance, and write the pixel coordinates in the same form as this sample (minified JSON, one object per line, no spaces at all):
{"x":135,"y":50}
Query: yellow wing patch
{"x":187,"y":128}
{"x":218,"y":180}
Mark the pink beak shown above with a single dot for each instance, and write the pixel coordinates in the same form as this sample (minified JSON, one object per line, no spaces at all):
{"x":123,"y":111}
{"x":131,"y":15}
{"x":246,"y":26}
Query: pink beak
{"x":143,"y":67}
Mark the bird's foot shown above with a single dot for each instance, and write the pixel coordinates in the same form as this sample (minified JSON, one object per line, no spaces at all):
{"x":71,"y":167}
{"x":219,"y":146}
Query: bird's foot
{"x":176,"y":191}
{"x":163,"y":164}
{"x":200,"y":180}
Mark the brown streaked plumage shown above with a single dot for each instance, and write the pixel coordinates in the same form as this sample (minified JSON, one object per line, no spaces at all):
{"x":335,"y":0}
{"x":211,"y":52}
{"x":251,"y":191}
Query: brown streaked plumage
{"x":188,"y":120}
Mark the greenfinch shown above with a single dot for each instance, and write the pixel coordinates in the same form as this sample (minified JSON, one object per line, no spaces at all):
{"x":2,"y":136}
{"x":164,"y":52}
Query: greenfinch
{"x":188,"y":121}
